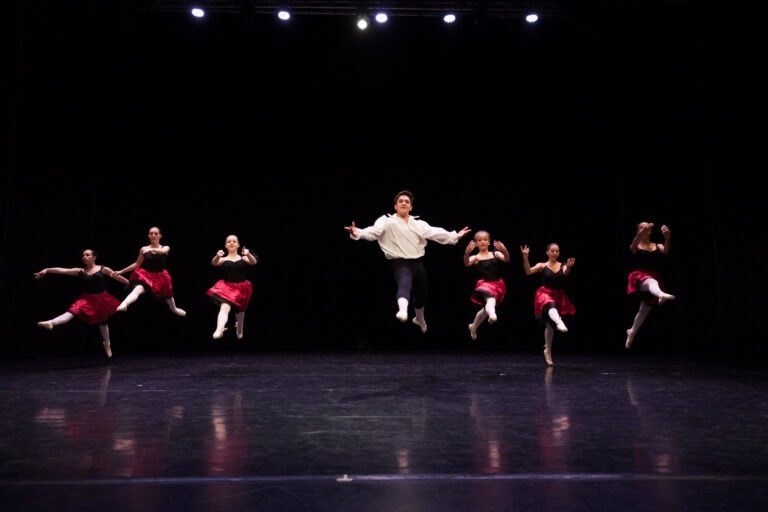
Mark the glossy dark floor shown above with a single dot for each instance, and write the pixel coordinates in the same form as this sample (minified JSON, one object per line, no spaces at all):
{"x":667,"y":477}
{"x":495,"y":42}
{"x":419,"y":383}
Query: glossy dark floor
{"x":381,"y":432}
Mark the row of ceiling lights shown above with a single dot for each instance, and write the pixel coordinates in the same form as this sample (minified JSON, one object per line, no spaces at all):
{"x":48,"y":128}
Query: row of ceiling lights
{"x":363,"y":20}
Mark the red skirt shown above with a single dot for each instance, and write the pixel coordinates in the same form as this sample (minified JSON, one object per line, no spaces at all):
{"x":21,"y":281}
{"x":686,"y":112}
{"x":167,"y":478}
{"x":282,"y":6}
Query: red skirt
{"x":158,"y":283}
{"x":638,"y":276}
{"x":546,"y":296}
{"x":94,"y":308}
{"x":238,"y":295}
{"x":496,"y":289}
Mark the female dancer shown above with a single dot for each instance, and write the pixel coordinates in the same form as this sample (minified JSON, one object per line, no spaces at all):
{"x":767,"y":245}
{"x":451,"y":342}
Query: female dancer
{"x":233,"y":290}
{"x":550,"y":302}
{"x":95,"y":304}
{"x":149,"y":274}
{"x":645,"y":277}
{"x":490,"y":288}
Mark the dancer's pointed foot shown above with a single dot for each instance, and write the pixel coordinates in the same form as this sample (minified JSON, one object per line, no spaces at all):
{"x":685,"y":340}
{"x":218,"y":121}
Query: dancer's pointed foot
{"x":107,"y":348}
{"x":123,"y":307}
{"x":238,"y":331}
{"x":402,"y":315}
{"x":665,"y":297}
{"x":422,"y":325}
{"x":630,"y":339}
{"x":472,"y":331}
{"x":561,"y":326}
{"x":46,"y":325}
{"x":217,"y":335}
{"x":179,"y":312}
{"x":548,"y":356}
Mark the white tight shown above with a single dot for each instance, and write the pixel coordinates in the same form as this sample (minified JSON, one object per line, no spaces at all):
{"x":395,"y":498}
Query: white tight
{"x":62,"y":318}
{"x":554,"y":315}
{"x":549,"y":334}
{"x":641,"y":315}
{"x":651,"y":286}
{"x":480,"y":317}
{"x":66,"y":317}
{"x":221,"y":319}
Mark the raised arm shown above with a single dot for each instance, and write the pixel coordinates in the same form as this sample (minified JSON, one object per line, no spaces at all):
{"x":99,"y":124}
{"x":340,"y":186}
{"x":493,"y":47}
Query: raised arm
{"x":468,"y":259}
{"x":216,"y":261}
{"x":501,"y":251}
{"x":463,"y":231}
{"x":665,"y":231}
{"x":524,"y":250}
{"x":57,"y":270}
{"x":352,"y":230}
{"x":570,"y":262}
{"x":370,"y":233}
{"x":441,"y":235}
{"x":249,"y":257}
{"x":641,"y":233}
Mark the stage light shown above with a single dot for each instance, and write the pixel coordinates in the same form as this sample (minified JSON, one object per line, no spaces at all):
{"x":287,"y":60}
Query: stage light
{"x":197,"y":11}
{"x":363,"y":21}
{"x":449,"y":18}
{"x":381,"y":17}
{"x":532,"y":18}
{"x":283,"y":14}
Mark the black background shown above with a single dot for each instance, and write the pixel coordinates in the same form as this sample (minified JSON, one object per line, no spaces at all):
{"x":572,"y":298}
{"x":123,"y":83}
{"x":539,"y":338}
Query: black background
{"x":572,"y":131}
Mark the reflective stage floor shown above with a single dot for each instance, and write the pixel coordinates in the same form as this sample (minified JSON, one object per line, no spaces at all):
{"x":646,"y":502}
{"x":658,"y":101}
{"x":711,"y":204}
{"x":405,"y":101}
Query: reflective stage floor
{"x":381,"y":432}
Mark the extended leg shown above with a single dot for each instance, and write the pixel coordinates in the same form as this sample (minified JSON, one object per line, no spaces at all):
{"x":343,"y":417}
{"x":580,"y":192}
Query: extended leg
{"x":131,"y":297}
{"x":479,"y":319}
{"x":53,"y":322}
{"x":640,"y":317}
{"x":549,"y":334}
{"x":104,"y":330}
{"x":239,"y":320}
{"x":221,"y":320}
{"x":172,"y":306}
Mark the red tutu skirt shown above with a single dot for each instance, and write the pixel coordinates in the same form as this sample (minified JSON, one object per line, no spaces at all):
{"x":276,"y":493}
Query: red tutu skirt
{"x":546,"y":296}
{"x":238,"y":295}
{"x":496,"y":289}
{"x":94,"y":308}
{"x":638,"y":276}
{"x":157,"y":283}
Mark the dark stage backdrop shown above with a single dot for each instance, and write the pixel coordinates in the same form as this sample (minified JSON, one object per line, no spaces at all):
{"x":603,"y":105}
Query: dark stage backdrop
{"x":571,"y":131}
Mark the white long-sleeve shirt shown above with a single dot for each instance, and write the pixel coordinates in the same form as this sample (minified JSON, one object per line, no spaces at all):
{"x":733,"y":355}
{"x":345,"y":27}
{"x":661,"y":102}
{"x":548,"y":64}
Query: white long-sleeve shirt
{"x":400,"y":239}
